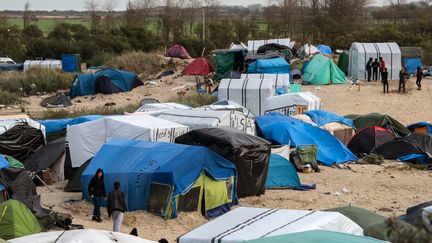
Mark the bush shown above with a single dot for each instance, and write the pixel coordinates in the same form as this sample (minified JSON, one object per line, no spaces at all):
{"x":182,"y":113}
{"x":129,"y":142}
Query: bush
{"x":138,"y":62}
{"x":195,"y":100}
{"x":8,"y":98}
{"x":101,"y":58}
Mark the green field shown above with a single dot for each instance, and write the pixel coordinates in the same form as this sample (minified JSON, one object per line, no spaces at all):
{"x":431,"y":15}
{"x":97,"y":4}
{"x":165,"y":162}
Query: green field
{"x":46,"y":25}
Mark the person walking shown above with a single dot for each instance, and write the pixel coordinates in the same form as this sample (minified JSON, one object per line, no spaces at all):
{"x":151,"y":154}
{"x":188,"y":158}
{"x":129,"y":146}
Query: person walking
{"x":116,"y":206}
{"x":382,"y":65}
{"x":96,"y":190}
{"x":384,"y":76}
{"x":419,"y":78}
{"x":375,"y":66}
{"x":369,"y":69}
{"x":402,"y":80}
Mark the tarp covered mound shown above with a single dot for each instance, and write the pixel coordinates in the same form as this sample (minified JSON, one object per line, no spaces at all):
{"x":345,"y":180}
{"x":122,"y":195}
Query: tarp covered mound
{"x":55,"y":126}
{"x":324,"y":49}
{"x":379,"y":120}
{"x":7,"y":122}
{"x":250,"y":155}
{"x":314,"y":236}
{"x":368,"y":138}
{"x":165,"y":178}
{"x":322,"y":70}
{"x":56,"y":101}
{"x":84,"y":235}
{"x":105,"y":81}
{"x":289,"y":130}
{"x":275,"y":65}
{"x":199,"y":66}
{"x":178,"y":51}
{"x":18,"y":183}
{"x":16,"y":220}
{"x":421,"y":127}
{"x":87,"y":138}
{"x":21,"y":141}
{"x":243,"y":224}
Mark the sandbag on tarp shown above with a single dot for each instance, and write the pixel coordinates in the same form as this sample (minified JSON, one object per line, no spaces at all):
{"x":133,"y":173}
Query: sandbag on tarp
{"x":21,"y":141}
{"x":54,"y":126}
{"x":321,"y":118}
{"x":288,"y":130}
{"x":380,"y":120}
{"x":46,"y":156}
{"x":17,"y":220}
{"x":250,"y":154}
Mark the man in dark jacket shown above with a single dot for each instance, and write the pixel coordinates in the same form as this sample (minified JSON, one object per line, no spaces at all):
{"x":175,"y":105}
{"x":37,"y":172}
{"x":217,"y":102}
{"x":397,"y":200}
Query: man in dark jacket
{"x":375,"y":66}
{"x":96,"y":190}
{"x":369,"y":69}
{"x":402,"y":80}
{"x":419,"y":75}
{"x":116,"y":206}
{"x":384,"y":76}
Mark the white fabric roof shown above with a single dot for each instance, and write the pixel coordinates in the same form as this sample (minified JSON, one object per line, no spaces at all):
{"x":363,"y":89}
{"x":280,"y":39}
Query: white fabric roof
{"x":253,"y":45}
{"x":80,"y":236}
{"x":288,"y":103}
{"x":7,"y":123}
{"x":309,"y":49}
{"x":158,"y":107}
{"x":239,"y":46}
{"x":87,"y":138}
{"x":243,"y":224}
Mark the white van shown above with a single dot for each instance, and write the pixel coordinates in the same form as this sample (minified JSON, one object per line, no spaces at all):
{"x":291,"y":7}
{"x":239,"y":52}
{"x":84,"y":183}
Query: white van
{"x":6,"y":60}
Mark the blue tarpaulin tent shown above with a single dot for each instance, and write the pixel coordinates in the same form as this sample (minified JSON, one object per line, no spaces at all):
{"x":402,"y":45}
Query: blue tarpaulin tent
{"x":275,"y":65}
{"x":173,"y":169}
{"x":411,"y":64}
{"x":321,"y":118}
{"x":54,"y":126}
{"x":106,"y":81}
{"x":324,"y":49}
{"x":282,"y":129}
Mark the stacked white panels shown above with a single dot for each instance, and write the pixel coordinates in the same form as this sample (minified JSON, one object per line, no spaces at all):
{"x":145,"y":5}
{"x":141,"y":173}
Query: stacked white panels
{"x":87,"y":138}
{"x":253,"y":45}
{"x":244,"y":224}
{"x":288,"y":104}
{"x":280,"y":80}
{"x":50,"y":64}
{"x":360,"y":53}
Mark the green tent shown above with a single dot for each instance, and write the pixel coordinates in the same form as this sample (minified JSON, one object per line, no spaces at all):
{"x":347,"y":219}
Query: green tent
{"x":343,"y":62}
{"x":322,"y":70}
{"x":313,"y":236}
{"x":224,"y":64}
{"x":380,"y":120}
{"x":14,"y":163}
{"x":16,"y":220}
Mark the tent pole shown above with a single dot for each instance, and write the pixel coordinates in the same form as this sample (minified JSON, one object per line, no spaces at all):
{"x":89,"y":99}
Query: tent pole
{"x":43,"y":182}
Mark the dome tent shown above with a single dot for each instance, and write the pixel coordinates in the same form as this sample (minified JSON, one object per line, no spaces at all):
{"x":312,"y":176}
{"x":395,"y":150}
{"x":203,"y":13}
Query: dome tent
{"x":199,"y":66}
{"x":368,"y":138}
{"x":17,"y":220}
{"x":178,"y":51}
{"x":322,"y":70}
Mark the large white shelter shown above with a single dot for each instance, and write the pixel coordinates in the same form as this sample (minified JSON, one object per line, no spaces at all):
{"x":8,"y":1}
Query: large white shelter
{"x":293,"y":103}
{"x":87,"y":138}
{"x":360,"y":53}
{"x":243,"y":224}
{"x":280,"y":80}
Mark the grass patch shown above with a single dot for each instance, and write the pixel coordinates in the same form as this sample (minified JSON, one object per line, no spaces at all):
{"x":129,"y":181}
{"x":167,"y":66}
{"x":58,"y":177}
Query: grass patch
{"x":195,"y":100}
{"x":47,"y":25}
{"x":139,"y":62}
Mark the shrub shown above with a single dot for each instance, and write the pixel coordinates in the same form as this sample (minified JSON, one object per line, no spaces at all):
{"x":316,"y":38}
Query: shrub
{"x":138,"y":62}
{"x":101,"y":58}
{"x":8,"y":98}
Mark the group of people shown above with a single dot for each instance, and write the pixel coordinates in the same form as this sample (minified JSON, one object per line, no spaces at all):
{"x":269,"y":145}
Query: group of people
{"x":373,"y":66}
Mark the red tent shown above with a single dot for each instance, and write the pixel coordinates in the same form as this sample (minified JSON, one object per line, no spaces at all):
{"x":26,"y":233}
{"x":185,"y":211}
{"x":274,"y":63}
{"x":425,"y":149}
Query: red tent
{"x":199,"y":66}
{"x":178,"y":51}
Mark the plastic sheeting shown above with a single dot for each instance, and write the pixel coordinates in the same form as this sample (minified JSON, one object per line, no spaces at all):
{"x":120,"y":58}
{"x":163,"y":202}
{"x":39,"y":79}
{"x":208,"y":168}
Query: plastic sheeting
{"x":55,"y":126}
{"x":411,"y":64}
{"x":254,"y":45}
{"x":293,"y":103}
{"x":324,"y":49}
{"x":288,"y":130}
{"x":87,"y":138}
{"x":273,"y":66}
{"x":244,"y":224}
{"x":321,"y":118}
{"x":160,"y":107}
{"x":7,"y":122}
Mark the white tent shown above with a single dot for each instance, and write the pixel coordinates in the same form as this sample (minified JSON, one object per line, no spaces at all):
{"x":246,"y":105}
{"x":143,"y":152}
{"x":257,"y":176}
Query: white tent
{"x":50,"y":64}
{"x":360,"y":53}
{"x":201,"y":118}
{"x":227,"y":105}
{"x":293,"y":103}
{"x":87,"y":138}
{"x":238,"y":46}
{"x":243,"y":224}
{"x":280,"y":80}
{"x":253,"y":45}
{"x":159,"y":107}
{"x":80,"y":236}
{"x":308,"y":49}
{"x":7,"y":122}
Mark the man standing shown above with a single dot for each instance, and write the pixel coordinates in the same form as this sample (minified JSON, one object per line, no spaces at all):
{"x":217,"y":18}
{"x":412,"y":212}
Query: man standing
{"x":419,"y":78}
{"x":375,"y":66}
{"x":382,"y":65}
{"x":384,"y":76}
{"x":369,"y":69}
{"x":96,"y":190}
{"x":402,"y":80}
{"x":116,"y":206}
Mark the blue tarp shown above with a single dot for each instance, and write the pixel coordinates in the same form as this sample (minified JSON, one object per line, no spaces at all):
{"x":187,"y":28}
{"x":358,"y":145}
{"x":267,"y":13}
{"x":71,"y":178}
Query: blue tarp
{"x":419,"y":158}
{"x":411,"y":64}
{"x":4,"y":163}
{"x":85,"y":84}
{"x":324,"y":49}
{"x":282,"y":129}
{"x":322,"y":118}
{"x":275,"y":65}
{"x":428,"y":126}
{"x":136,"y":164}
{"x":11,"y":67}
{"x":54,"y":126}
{"x":71,"y":63}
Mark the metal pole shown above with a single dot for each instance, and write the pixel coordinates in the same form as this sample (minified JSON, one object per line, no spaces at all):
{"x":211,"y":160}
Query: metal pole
{"x":204,"y":32}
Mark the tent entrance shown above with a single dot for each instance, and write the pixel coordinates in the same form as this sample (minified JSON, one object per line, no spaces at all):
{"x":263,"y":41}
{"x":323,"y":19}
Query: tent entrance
{"x":160,"y":195}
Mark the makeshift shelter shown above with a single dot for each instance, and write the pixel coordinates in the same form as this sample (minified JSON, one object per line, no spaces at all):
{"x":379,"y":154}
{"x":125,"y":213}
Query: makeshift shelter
{"x":74,"y":183}
{"x":48,"y":64}
{"x":281,"y":129}
{"x":196,"y":119}
{"x":82,"y":235}
{"x":411,"y":58}
{"x":250,"y":155}
{"x":237,"y":45}
{"x":57,"y":101}
{"x":272,"y":47}
{"x":178,"y":51}
{"x":292,"y":103}
{"x":227,"y":61}
{"x":417,"y":215}
{"x":160,"y":107}
{"x":254,"y":45}
{"x":172,"y":177}
{"x":243,"y":224}
{"x":18,"y":183}
{"x":275,"y":65}
{"x":7,"y":122}
{"x":308,"y":49}
{"x":105,"y":81}
{"x":87,"y":138}
{"x":21,"y":140}
{"x":368,"y":138}
{"x":343,"y":62}
{"x":314,"y":236}
{"x":324,"y":49}
{"x":322,"y":70}
{"x":421,"y":127}
{"x":17,"y":220}
{"x":199,"y":66}
{"x":379,"y":120}
{"x":71,"y":63}
{"x":360,"y":53}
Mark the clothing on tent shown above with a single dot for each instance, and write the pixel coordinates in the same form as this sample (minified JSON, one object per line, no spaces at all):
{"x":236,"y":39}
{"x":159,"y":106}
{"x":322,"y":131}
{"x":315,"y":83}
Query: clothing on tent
{"x":21,"y":141}
{"x":324,"y":49}
{"x":421,"y":127}
{"x":199,"y":66}
{"x":178,"y":51}
{"x":71,"y":63}
{"x":322,"y":70}
{"x":275,"y":65}
{"x":250,"y":155}
{"x":380,"y":120}
{"x":173,"y":177}
{"x":56,"y":101}
{"x":281,"y":129}
{"x":368,"y":138}
{"x":16,"y":220}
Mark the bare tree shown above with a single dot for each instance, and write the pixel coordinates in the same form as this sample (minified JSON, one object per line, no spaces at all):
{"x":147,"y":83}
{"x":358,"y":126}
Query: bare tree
{"x":138,"y":11}
{"x":109,"y":7}
{"x":26,"y":15}
{"x":92,"y":6}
